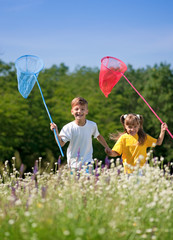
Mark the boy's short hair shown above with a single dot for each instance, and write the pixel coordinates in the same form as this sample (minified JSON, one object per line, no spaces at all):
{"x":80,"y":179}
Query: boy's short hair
{"x":80,"y":101}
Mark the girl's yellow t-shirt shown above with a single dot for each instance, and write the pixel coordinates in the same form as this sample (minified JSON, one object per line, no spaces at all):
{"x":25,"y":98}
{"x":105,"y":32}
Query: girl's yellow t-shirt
{"x":127,"y":146}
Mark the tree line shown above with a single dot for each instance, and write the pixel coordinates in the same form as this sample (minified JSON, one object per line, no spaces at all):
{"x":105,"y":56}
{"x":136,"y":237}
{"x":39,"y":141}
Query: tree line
{"x":25,"y":126}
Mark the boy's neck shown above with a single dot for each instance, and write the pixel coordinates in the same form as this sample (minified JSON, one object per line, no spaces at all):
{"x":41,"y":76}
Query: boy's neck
{"x":80,"y":122}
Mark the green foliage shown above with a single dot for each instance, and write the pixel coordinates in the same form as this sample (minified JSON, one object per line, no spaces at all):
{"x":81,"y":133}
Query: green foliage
{"x":25,"y":124}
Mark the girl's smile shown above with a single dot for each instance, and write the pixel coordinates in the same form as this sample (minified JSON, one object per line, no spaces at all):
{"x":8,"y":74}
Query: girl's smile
{"x":132,"y":129}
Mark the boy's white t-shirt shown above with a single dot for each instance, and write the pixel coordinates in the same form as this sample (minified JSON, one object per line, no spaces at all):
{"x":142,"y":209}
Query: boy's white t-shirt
{"x":80,"y":149}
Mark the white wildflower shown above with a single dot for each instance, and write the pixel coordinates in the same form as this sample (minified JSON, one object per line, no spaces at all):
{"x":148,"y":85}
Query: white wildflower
{"x":79,"y":231}
{"x":144,"y":236}
{"x":66,"y":232}
{"x":70,"y":215}
{"x":34,"y":225}
{"x":27,"y":214}
{"x":153,"y":237}
{"x":18,"y":202}
{"x":11,"y":221}
{"x":7,"y":234}
{"x":141,"y":157}
{"x":149,"y":230}
{"x":151,"y":219}
{"x":101,"y":231}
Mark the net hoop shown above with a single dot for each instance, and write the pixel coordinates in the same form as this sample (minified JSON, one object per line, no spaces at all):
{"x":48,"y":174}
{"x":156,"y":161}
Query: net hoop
{"x":124,"y":67}
{"x":22,"y":65}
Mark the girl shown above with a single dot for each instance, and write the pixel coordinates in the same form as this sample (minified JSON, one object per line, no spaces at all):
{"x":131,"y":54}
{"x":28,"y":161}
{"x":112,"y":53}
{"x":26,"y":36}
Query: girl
{"x":133,"y":143}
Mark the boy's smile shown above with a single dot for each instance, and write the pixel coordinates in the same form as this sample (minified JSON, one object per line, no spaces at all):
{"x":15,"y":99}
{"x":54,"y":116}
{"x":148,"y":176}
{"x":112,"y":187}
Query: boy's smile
{"x":79,"y":112}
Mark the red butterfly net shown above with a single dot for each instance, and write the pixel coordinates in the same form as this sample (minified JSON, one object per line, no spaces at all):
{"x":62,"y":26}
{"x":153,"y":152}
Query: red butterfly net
{"x":110,"y":73}
{"x":112,"y":69}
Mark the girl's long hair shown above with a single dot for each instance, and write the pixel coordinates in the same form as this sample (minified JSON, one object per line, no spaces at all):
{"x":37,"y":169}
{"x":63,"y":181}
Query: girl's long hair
{"x":131,"y":119}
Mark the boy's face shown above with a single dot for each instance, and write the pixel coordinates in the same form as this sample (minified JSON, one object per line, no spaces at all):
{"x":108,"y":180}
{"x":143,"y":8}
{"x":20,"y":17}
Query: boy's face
{"x":79,"y":111}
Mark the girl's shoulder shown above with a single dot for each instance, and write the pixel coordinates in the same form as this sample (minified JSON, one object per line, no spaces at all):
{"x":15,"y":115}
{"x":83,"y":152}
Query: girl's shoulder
{"x":124,"y":136}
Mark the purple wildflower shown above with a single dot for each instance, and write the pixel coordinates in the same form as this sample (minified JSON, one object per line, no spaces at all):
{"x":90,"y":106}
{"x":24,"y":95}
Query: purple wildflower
{"x":78,"y":156}
{"x":21,"y":170}
{"x":43,"y":192}
{"x":59,"y":160}
{"x":107,"y":162}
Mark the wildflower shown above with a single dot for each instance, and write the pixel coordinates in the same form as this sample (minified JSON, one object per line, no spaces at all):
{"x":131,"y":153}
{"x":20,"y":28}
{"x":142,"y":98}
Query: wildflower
{"x":66,"y":232}
{"x":11,"y":221}
{"x":153,"y":144}
{"x":101,"y":231}
{"x":18,"y":202}
{"x":43,"y":192}
{"x":70,"y":215}
{"x":39,"y":205}
{"x":144,"y":236}
{"x":27,"y":214}
{"x":153,"y":237}
{"x":21,"y":169}
{"x":141,"y":157}
{"x":107,"y":162}
{"x":149,"y":230}
{"x":59,"y":160}
{"x":151,"y":219}
{"x":79,"y":231}
{"x":112,"y":224}
{"x":34,"y":225}
{"x":7,"y":234}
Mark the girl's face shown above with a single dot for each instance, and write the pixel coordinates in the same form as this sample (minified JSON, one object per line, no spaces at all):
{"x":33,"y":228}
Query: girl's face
{"x":132,"y":129}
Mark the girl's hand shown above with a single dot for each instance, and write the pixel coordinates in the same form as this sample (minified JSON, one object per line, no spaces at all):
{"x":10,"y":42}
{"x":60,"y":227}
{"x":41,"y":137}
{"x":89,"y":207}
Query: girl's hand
{"x":108,"y":151}
{"x":164,"y":127}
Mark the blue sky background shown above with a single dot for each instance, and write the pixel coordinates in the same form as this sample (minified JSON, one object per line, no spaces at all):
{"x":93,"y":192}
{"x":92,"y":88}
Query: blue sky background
{"x":81,"y":32}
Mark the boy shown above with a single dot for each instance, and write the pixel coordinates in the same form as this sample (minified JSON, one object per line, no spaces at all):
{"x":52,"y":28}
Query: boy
{"x":79,"y":133}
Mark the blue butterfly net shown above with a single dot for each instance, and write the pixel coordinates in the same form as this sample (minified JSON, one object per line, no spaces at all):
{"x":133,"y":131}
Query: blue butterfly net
{"x":28,"y":68}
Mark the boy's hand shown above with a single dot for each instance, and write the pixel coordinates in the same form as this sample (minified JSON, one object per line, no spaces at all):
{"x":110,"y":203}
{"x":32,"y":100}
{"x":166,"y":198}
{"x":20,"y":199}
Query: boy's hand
{"x":53,"y":126}
{"x":108,"y":151}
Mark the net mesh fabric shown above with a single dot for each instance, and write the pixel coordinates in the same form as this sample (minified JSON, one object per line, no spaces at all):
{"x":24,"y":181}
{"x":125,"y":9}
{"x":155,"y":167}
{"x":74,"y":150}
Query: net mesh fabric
{"x":28,"y":68}
{"x":110,"y":73}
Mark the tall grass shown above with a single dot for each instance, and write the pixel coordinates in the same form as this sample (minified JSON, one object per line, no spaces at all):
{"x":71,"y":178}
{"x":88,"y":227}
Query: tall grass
{"x":106,"y":204}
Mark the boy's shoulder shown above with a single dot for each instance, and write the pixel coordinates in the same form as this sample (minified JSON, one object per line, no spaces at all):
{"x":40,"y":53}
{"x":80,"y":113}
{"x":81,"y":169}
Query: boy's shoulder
{"x":90,"y":122}
{"x":74,"y":125}
{"x":69,"y":124}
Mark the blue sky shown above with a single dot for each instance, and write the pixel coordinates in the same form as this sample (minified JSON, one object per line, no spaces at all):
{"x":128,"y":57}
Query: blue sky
{"x":81,"y":32}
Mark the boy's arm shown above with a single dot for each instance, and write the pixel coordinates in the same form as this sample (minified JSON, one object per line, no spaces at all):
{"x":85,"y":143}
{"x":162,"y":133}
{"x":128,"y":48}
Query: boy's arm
{"x":54,"y":126}
{"x":162,"y":134}
{"x":103,"y":142}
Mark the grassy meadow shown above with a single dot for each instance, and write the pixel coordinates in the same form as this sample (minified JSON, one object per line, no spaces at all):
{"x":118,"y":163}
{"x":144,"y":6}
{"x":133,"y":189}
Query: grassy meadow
{"x":104,"y":204}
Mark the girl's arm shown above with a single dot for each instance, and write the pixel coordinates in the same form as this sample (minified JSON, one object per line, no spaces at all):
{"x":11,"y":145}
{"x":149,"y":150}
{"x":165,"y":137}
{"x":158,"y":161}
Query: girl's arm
{"x":54,"y":126}
{"x":111,"y":153}
{"x":162,"y":134}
